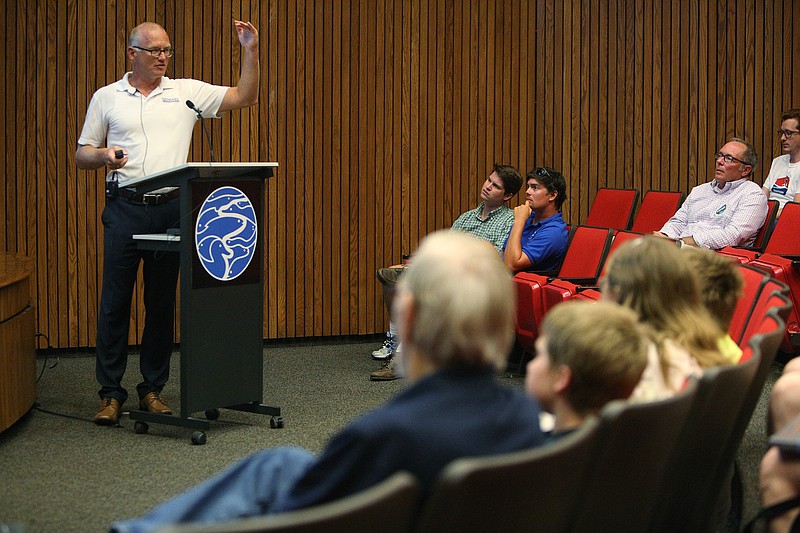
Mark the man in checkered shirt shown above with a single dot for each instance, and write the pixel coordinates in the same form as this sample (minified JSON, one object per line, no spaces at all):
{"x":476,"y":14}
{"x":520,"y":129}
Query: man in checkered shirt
{"x":490,"y":221}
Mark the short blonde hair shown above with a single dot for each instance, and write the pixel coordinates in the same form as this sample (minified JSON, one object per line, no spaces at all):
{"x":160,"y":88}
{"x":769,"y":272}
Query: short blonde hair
{"x":463,"y":301}
{"x":603,"y":345}
{"x":721,"y":284}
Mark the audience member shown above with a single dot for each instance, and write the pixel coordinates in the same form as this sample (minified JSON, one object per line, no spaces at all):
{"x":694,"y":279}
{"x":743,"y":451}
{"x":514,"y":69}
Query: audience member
{"x":779,"y":478}
{"x":538,"y":238}
{"x":784,"y":404}
{"x":783,"y":182}
{"x":727,"y":211}
{"x":779,"y":473}
{"x":490,"y":221}
{"x":587,"y":355}
{"x":455,"y":313}
{"x":652,"y":277}
{"x":721,"y":286}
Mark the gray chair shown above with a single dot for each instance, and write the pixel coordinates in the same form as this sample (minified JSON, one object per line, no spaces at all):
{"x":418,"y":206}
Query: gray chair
{"x":686,"y":492}
{"x":531,"y":490}
{"x":390,"y":506}
{"x":697,"y":492}
{"x":766,"y":343}
{"x":629,"y":466}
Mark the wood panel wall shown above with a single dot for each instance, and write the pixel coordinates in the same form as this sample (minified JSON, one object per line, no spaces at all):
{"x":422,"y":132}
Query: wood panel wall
{"x":385,"y":116}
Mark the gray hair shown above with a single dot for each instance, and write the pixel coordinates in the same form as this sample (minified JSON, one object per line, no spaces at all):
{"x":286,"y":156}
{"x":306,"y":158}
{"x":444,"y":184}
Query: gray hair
{"x":463,"y":302}
{"x":750,"y":156}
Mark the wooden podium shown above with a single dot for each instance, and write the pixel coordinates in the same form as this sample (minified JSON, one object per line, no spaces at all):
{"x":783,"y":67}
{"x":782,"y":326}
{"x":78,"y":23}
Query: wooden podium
{"x":220,"y":242}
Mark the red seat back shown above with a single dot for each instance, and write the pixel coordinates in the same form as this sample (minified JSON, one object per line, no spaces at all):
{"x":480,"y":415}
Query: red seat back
{"x":613,"y":208}
{"x":586,"y":252}
{"x":765,"y":233}
{"x":783,"y":240}
{"x":620,"y":237}
{"x":754,"y":282}
{"x":657,"y":207}
{"x":787,"y":271}
{"x":774,"y":296}
{"x":529,"y":309}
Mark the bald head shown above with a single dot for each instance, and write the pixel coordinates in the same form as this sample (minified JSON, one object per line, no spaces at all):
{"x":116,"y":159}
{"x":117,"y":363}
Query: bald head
{"x":461,"y":301}
{"x":146,"y":32}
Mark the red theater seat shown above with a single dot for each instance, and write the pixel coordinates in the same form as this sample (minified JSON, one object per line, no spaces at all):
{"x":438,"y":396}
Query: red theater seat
{"x":657,"y":207}
{"x":613,"y":208}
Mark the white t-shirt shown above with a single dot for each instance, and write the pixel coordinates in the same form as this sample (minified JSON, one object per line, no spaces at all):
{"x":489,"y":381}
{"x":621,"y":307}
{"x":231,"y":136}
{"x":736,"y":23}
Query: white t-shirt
{"x":783,"y":181}
{"x":155,"y":130}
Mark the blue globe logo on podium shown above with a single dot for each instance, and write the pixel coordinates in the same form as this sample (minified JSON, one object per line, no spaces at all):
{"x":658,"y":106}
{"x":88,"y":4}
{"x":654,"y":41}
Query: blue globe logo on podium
{"x":225,"y":234}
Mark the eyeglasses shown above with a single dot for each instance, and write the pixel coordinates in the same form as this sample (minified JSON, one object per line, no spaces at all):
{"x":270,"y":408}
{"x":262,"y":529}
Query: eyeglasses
{"x":728,"y":158}
{"x":155,"y":52}
{"x":788,"y":133}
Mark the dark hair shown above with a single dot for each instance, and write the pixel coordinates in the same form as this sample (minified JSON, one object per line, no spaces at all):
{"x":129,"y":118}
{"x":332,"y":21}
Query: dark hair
{"x":553,"y":181}
{"x":791,"y":113}
{"x":510,"y":176}
{"x":750,"y":157}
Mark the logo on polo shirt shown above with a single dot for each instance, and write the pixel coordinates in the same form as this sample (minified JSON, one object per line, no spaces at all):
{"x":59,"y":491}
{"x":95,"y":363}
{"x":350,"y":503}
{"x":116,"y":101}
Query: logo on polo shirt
{"x":721,"y":209}
{"x":170,"y":100}
{"x":781,"y":185}
{"x":225,"y":234}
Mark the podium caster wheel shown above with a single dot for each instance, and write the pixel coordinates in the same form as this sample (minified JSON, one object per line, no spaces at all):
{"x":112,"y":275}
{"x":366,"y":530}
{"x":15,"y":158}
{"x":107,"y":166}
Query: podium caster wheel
{"x":140,"y":428}
{"x":199,"y":438}
{"x":212,"y":414}
{"x":276,"y":422}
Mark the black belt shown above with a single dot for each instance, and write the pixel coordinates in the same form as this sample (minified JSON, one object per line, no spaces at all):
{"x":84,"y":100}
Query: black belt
{"x":148,"y":198}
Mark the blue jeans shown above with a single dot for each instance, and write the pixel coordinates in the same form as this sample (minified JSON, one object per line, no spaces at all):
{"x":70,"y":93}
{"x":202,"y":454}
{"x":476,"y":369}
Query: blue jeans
{"x":256,"y":485}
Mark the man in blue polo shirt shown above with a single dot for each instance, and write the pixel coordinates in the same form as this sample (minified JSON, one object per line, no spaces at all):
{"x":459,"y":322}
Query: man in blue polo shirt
{"x":538,"y":238}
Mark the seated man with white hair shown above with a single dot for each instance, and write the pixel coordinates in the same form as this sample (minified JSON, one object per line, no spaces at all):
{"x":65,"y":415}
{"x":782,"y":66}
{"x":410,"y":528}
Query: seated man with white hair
{"x":455,"y":312}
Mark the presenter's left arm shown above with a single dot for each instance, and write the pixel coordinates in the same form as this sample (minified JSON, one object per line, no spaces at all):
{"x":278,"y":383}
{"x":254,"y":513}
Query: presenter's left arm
{"x":245,"y":93}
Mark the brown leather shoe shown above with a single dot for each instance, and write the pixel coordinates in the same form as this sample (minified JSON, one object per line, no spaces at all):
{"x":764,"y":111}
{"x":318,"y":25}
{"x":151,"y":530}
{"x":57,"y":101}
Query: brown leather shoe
{"x":108,"y":415}
{"x":153,"y":403}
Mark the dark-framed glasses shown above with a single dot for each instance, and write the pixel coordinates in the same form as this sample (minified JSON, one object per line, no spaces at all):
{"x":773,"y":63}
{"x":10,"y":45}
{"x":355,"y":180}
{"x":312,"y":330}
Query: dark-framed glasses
{"x":155,"y":52}
{"x":728,"y":158}
{"x":787,"y":133}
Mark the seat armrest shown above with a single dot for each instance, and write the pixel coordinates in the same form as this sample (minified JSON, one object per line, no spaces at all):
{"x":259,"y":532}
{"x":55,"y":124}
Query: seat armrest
{"x":582,"y":288}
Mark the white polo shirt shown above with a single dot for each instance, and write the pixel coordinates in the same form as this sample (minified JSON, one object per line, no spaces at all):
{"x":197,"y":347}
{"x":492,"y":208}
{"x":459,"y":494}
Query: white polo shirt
{"x":155,"y":130}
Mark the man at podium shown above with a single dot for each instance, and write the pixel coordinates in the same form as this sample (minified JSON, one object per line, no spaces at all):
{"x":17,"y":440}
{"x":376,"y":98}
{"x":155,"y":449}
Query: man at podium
{"x":135,"y":127}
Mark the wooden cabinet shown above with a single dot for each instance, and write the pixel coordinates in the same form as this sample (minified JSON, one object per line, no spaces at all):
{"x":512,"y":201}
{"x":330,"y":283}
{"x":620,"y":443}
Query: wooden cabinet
{"x":17,"y":343}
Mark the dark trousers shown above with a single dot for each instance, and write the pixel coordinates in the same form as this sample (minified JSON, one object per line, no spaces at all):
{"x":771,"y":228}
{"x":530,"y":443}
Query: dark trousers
{"x":121,"y":220}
